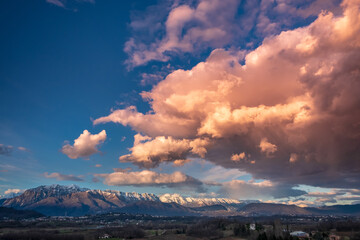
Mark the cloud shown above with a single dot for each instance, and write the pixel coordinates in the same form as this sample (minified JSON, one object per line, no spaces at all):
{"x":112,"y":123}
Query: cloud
{"x":68,"y":4}
{"x":63,"y":177}
{"x":13,"y":191}
{"x":267,"y":147}
{"x":300,"y":202}
{"x":238,"y":157}
{"x":192,"y":27}
{"x":338,"y":196}
{"x":85,"y":145}
{"x":23,"y":149}
{"x":98,"y":165}
{"x":240,"y":189}
{"x":149,"y":152}
{"x":95,"y":180}
{"x":149,"y":178}
{"x":58,"y":3}
{"x":325,"y":194}
{"x":150,"y":78}
{"x":122,"y":169}
{"x":5,"y":150}
{"x":218,"y":174}
{"x":349,"y":198}
{"x":185,"y":27}
{"x":181,"y":162}
{"x":298,"y":90}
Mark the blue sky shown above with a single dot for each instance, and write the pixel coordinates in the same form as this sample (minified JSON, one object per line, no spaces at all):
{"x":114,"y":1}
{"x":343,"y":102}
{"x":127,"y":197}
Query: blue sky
{"x":65,"y":64}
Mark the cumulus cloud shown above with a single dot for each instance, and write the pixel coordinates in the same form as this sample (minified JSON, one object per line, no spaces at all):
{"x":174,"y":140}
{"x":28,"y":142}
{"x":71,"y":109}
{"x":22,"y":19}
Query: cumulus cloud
{"x":298,"y":90}
{"x":208,"y":23}
{"x":150,"y":152}
{"x":194,"y":26}
{"x":238,"y":157}
{"x":149,"y":178}
{"x":63,"y":177}
{"x":85,"y":145}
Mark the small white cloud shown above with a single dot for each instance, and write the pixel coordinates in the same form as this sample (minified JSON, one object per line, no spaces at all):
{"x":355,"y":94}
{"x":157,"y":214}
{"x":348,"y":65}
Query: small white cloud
{"x":85,"y":145}
{"x":23,"y":149}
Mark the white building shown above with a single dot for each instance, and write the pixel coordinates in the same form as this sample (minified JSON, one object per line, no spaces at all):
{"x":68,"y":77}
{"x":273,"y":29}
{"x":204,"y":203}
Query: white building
{"x":252,"y":226}
{"x":299,"y":234}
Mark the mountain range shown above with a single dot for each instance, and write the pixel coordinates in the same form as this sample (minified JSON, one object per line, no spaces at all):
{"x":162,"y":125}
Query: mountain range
{"x":57,"y":200}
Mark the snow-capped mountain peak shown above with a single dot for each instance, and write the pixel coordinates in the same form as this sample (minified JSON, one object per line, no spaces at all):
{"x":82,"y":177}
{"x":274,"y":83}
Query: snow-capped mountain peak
{"x":196,"y":202}
{"x":128,"y":196}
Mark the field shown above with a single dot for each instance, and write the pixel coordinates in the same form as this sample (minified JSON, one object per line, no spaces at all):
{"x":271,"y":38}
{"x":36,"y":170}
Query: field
{"x":123,"y":226}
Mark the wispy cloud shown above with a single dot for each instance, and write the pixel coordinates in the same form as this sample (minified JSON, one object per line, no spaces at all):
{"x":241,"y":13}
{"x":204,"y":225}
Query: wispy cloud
{"x":8,"y":149}
{"x":5,"y":150}
{"x":63,"y":177}
{"x":69,"y":4}
{"x":59,"y":3}
{"x":241,"y":189}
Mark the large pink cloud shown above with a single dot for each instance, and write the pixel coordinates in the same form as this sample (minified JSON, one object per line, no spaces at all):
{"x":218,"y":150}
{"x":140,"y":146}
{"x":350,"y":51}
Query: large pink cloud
{"x":293,"y":107}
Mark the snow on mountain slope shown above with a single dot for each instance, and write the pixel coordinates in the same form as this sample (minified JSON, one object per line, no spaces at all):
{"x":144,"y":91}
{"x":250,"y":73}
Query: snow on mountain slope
{"x":128,"y":196}
{"x":37,"y":194}
{"x":196,"y":202}
{"x":58,"y":196}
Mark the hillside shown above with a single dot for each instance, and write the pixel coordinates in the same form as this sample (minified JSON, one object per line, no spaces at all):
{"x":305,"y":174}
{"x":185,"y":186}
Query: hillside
{"x":11,"y":213}
{"x":57,"y":200}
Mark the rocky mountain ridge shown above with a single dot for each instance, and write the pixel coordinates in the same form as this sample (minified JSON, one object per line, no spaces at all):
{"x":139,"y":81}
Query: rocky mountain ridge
{"x":196,"y":202}
{"x":57,"y":200}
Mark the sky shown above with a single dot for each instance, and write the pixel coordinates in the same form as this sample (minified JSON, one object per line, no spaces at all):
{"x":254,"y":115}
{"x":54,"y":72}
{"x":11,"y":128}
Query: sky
{"x":251,"y":100}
